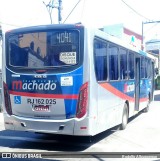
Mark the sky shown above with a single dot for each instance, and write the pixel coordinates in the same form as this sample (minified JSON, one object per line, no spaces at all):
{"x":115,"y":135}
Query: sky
{"x":131,"y":13}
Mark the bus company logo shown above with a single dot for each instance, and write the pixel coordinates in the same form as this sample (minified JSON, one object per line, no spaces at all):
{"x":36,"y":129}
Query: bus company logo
{"x":129,"y":88}
{"x":33,"y":85}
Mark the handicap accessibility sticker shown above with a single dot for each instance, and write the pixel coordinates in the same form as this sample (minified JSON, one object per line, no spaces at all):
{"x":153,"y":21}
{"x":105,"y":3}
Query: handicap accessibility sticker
{"x":17,"y":99}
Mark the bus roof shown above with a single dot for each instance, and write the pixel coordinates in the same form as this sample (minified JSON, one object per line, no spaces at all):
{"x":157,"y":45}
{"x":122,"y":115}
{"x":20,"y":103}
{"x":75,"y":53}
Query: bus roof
{"x":43,"y":27}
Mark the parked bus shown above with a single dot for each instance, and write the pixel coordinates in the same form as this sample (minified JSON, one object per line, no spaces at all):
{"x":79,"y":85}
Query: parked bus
{"x":68,"y":79}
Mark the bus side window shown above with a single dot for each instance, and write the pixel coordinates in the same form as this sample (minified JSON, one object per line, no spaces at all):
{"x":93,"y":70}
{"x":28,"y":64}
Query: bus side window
{"x":147,"y":67}
{"x":143,"y":63}
{"x":123,"y":64}
{"x":131,"y":65}
{"x":113,"y":62}
{"x":100,"y":59}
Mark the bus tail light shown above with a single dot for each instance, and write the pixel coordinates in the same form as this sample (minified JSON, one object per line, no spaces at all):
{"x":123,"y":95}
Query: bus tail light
{"x":7,"y":100}
{"x":82,"y":101}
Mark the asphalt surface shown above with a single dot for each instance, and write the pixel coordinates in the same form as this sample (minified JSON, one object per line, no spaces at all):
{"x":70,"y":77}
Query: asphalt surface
{"x":141,"y":135}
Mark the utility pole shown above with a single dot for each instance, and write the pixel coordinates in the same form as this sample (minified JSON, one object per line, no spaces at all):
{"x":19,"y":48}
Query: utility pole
{"x":59,"y":11}
{"x":50,"y":7}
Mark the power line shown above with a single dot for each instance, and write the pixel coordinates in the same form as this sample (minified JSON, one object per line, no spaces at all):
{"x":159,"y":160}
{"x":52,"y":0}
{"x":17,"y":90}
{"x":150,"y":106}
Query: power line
{"x":134,"y":10}
{"x":151,"y":28}
{"x":52,"y":5}
{"x":84,"y":1}
{"x":72,"y":11}
{"x":9,"y":24}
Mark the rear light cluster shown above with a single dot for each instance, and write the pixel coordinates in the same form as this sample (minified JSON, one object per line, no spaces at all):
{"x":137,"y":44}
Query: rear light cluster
{"x":7,"y":100}
{"x":82,"y":101}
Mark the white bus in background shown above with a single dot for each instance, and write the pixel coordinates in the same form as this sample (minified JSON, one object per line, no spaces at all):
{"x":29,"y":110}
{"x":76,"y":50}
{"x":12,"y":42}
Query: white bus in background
{"x":68,"y":79}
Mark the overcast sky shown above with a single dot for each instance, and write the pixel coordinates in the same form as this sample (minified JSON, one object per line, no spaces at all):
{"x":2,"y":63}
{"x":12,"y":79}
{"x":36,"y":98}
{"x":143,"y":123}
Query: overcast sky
{"x":18,"y":13}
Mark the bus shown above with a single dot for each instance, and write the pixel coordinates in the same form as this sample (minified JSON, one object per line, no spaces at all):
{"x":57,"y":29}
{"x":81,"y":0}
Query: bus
{"x":72,"y":80}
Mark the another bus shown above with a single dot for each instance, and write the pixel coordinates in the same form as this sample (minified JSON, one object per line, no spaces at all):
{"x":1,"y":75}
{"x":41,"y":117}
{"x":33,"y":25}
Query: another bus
{"x":72,"y":80}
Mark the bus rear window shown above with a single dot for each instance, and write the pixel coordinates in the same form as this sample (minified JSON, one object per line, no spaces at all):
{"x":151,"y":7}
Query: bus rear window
{"x":44,"y":49}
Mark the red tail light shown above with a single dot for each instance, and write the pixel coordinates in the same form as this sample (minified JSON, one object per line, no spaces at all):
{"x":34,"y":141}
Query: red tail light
{"x":7,"y":100}
{"x":82,"y":101}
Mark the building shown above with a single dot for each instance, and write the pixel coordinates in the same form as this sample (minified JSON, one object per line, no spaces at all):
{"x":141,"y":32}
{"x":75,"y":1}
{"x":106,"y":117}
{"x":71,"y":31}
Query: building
{"x":124,"y":34}
{"x":153,"y":47}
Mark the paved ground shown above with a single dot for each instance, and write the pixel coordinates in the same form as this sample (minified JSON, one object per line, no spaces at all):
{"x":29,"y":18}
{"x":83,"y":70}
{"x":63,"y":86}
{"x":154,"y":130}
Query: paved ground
{"x":141,"y":135}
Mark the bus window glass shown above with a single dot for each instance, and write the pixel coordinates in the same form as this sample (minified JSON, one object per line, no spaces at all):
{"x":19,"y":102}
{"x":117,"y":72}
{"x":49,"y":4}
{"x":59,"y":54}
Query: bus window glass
{"x":148,"y":68}
{"x":143,"y":63}
{"x":44,"y":49}
{"x":113,"y":62}
{"x":100,"y":58}
{"x":131,"y":65}
{"x":123,"y":64}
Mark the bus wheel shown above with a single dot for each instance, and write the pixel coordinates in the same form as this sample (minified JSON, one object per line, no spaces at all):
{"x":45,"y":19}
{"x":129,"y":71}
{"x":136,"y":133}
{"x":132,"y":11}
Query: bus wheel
{"x":124,"y":117}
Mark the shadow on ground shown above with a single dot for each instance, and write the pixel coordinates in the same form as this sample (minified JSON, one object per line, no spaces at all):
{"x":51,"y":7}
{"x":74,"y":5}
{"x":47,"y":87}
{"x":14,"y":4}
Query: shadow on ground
{"x":47,"y":142}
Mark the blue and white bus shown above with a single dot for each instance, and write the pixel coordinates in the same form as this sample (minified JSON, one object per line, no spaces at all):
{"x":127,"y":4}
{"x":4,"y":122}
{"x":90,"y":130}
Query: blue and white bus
{"x":68,"y":79}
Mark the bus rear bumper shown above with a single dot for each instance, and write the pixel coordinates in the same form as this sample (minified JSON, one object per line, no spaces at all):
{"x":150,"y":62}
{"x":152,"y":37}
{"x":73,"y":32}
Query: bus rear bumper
{"x":65,"y":127}
{"x":39,"y":125}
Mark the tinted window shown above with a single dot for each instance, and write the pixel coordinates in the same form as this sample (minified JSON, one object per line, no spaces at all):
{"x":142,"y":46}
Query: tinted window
{"x":113,"y":62}
{"x":143,"y":64}
{"x":100,"y":58}
{"x":131,"y":65}
{"x":149,"y":69}
{"x":123,"y":64}
{"x":44,"y":49}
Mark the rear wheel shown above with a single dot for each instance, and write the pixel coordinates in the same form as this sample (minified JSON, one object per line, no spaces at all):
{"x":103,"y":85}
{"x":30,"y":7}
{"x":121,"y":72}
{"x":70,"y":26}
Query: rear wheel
{"x":124,"y":117}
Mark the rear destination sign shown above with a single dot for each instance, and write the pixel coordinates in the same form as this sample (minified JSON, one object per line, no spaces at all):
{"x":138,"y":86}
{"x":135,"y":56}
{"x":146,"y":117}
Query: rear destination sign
{"x":68,"y":57}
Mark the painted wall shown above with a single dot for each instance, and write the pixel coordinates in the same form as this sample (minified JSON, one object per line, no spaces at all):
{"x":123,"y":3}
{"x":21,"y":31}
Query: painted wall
{"x":118,"y":30}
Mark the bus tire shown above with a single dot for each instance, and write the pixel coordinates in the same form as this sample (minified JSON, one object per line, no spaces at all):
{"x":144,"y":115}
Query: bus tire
{"x":124,"y":117}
